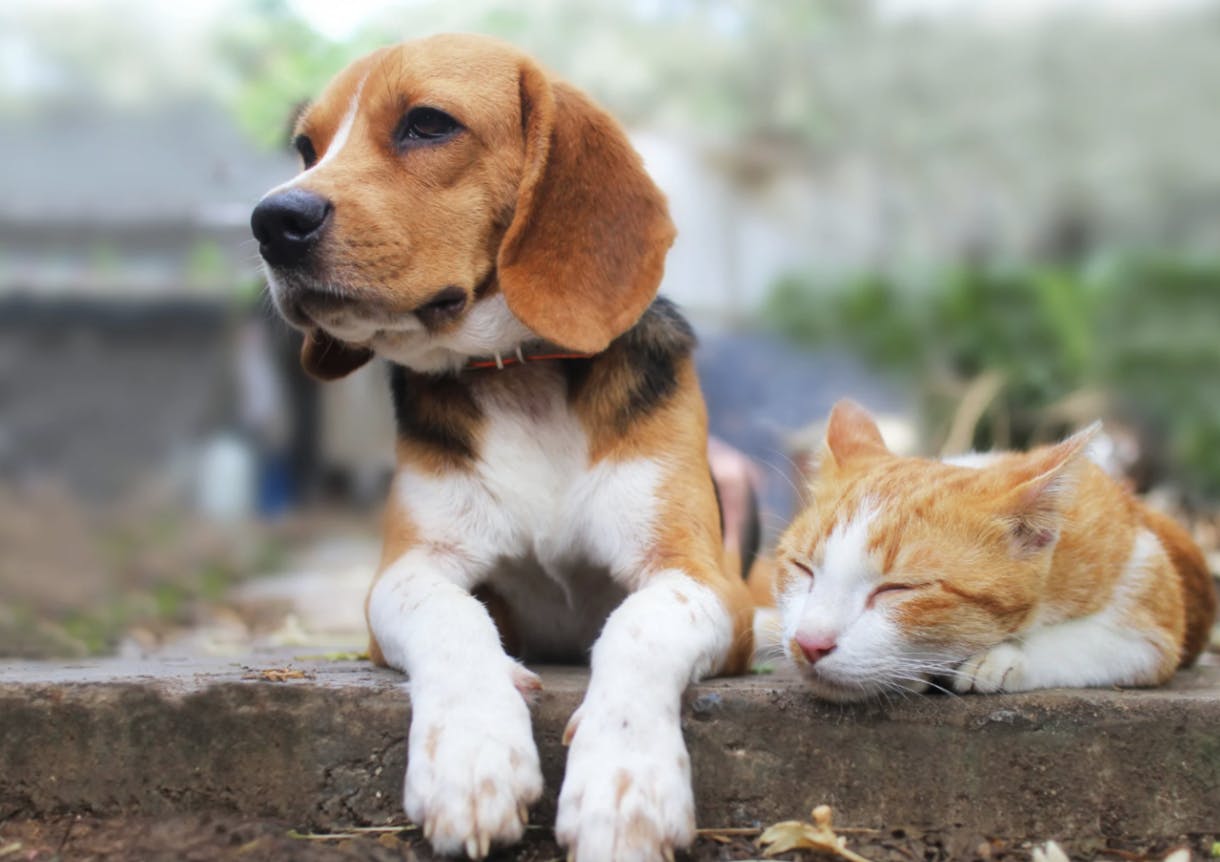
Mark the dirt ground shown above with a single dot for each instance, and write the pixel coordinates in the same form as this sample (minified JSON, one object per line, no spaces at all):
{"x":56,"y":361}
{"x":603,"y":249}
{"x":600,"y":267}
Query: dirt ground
{"x":78,"y":579}
{"x":215,"y":837}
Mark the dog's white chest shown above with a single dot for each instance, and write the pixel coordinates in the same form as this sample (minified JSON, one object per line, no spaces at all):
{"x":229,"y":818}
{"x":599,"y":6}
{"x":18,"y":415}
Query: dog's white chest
{"x":559,"y":539}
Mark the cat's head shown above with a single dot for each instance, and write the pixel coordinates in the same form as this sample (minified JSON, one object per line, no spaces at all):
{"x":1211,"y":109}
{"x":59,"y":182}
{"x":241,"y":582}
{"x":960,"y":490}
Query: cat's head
{"x":901,"y":568}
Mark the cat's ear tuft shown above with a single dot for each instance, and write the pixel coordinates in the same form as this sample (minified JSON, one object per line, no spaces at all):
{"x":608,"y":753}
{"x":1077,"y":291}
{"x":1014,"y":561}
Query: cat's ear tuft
{"x":1041,"y":487}
{"x":851,"y":433}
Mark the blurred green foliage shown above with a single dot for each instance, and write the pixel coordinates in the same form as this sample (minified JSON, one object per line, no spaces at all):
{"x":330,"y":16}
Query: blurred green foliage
{"x":1140,"y":332}
{"x":274,"y":61}
{"x":206,"y":263}
{"x":754,"y":60}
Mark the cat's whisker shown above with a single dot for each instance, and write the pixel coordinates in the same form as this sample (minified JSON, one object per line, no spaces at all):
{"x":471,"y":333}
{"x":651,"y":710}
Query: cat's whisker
{"x":800,"y":493}
{"x":767,"y":654}
{"x":795,"y":468}
{"x":889,"y":687}
{"x":930,"y":684}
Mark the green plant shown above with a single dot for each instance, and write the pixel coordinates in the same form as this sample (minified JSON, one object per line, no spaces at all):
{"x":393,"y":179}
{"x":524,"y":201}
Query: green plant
{"x":1140,"y":332}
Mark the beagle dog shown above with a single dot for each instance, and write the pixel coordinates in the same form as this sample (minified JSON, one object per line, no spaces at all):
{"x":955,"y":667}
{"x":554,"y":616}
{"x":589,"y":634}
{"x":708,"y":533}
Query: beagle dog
{"x":491,"y":233}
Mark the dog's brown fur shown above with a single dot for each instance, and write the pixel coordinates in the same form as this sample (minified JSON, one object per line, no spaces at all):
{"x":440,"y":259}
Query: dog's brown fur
{"x":534,"y":212}
{"x":544,"y":200}
{"x":545,"y":192}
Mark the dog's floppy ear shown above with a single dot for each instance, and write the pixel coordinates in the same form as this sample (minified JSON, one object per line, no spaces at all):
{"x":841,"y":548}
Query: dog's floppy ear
{"x":585,"y":251}
{"x":326,"y":358}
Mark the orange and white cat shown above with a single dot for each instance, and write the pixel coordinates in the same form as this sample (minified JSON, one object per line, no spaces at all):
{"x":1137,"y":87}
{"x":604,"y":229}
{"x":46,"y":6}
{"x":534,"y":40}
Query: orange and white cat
{"x":1002,"y":572}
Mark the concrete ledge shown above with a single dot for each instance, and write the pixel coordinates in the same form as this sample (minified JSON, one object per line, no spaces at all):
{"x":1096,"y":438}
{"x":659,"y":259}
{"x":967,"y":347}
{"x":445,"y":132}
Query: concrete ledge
{"x":118,"y":738}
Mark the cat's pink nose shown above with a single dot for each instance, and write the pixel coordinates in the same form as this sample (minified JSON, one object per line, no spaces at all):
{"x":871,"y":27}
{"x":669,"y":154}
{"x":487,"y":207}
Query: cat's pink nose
{"x":815,"y":647}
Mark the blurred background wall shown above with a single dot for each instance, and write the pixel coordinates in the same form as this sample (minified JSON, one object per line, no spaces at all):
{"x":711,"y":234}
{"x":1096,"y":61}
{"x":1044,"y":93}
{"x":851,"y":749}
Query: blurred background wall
{"x":993,"y":221}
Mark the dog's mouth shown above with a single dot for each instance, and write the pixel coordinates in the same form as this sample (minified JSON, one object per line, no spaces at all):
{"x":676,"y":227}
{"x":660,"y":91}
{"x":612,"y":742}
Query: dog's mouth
{"x":308,"y":306}
{"x":445,"y":306}
{"x":436,"y":334}
{"x":358,"y":320}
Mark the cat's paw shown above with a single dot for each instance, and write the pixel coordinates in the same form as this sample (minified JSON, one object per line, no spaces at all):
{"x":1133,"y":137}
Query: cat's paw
{"x":472,"y":768}
{"x":1001,"y":668}
{"x":627,"y":792}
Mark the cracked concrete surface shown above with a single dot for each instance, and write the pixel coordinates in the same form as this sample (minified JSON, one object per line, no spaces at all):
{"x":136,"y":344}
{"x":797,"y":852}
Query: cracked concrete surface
{"x":327,"y":749}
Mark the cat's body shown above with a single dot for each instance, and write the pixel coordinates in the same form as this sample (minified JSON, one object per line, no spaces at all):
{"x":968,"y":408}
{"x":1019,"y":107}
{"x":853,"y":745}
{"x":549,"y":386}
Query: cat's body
{"x":1004,"y":572}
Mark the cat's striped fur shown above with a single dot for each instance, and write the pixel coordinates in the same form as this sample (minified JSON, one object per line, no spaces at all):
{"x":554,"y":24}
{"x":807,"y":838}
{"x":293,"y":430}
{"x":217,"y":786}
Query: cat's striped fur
{"x":1007,"y":572}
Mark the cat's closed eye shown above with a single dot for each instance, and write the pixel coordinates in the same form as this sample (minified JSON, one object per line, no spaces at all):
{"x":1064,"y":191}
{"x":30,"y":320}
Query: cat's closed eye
{"x":892,"y":589}
{"x":804,"y":568}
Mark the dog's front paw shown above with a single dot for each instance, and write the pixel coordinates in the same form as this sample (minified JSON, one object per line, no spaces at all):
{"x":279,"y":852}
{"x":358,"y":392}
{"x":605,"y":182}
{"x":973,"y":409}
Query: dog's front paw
{"x":1001,"y":668}
{"x":472,"y":767}
{"x":626,"y":794}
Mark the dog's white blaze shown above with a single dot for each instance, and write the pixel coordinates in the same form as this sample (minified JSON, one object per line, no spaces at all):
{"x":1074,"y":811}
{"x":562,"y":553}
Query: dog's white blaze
{"x":336,"y":143}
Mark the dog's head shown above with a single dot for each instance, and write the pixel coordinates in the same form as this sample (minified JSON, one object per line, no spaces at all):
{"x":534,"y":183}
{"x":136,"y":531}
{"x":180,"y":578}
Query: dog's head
{"x":457,"y":201}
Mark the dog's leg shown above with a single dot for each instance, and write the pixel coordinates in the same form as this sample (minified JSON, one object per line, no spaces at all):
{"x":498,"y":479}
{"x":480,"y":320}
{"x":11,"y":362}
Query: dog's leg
{"x":472,"y":767}
{"x":627,"y":794}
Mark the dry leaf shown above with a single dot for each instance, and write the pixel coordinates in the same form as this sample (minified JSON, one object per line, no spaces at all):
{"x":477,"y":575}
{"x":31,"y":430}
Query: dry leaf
{"x":726,"y":834}
{"x":797,"y":835}
{"x":278,"y":674}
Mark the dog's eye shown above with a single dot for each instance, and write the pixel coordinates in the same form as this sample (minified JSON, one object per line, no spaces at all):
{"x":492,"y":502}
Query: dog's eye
{"x":304,"y":146}
{"x":425,"y":125}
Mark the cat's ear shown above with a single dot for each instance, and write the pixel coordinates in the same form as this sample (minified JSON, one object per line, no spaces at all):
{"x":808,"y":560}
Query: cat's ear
{"x":1041,"y":486}
{"x":851,"y":433}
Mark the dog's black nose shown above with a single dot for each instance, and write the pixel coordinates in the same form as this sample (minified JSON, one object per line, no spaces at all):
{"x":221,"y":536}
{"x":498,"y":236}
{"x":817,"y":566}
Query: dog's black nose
{"x":288,"y":224}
